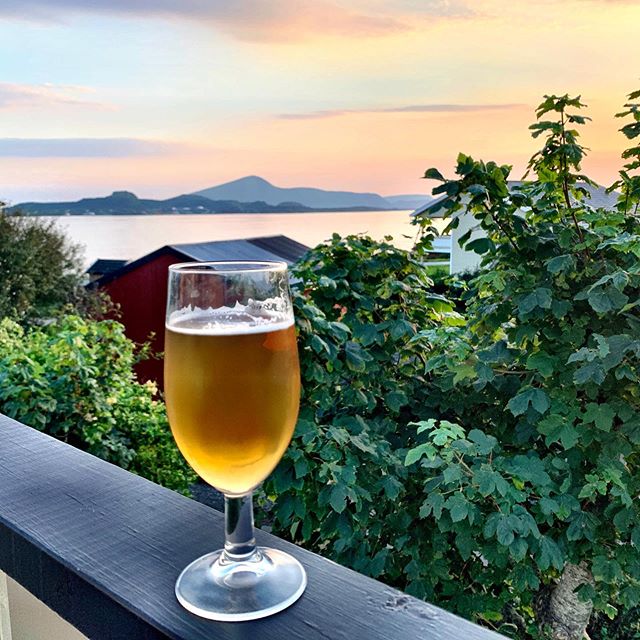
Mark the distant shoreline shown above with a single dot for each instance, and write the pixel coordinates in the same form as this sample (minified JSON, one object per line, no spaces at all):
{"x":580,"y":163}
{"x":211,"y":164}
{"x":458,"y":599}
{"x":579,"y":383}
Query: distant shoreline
{"x":204,"y":213}
{"x":251,"y":194}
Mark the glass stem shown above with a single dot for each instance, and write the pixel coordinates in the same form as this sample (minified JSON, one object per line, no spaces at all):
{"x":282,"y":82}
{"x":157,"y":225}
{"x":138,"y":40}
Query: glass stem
{"x":239,"y":543}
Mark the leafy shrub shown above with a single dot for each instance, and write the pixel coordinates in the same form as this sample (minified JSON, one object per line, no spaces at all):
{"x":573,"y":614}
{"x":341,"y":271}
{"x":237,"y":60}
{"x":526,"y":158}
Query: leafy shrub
{"x":546,"y":374}
{"x":359,"y":305}
{"x":520,"y":475}
{"x":73,"y":379}
{"x":40,"y":268}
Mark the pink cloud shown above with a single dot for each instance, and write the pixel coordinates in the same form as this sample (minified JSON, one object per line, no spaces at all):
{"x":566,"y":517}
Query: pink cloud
{"x":19,"y":96}
{"x":414,"y":108}
{"x":86,"y":147}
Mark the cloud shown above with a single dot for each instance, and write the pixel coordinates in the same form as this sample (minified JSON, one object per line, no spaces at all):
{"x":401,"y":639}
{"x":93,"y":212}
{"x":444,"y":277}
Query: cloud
{"x":83,"y":147}
{"x":426,"y":8}
{"x":17,"y":96}
{"x":254,"y":20}
{"x":415,"y":108}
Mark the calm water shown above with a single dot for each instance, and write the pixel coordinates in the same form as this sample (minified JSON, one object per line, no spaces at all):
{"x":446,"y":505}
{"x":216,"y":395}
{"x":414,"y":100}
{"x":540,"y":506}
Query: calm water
{"x":130,"y":237}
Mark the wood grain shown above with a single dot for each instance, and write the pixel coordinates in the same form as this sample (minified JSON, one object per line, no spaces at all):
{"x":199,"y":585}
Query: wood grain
{"x":103,"y":548}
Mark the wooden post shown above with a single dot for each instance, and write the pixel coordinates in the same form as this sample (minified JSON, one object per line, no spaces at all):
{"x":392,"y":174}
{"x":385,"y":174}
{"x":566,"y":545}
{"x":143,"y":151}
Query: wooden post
{"x":5,"y":619}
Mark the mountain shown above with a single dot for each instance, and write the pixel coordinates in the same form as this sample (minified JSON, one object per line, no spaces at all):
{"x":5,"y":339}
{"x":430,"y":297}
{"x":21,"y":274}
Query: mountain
{"x":255,"y":188}
{"x":119,"y":202}
{"x":127,"y":203}
{"x":408,"y":201}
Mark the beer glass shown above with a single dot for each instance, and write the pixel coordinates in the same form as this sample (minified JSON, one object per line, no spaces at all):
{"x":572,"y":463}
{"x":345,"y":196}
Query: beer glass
{"x":232,"y":388}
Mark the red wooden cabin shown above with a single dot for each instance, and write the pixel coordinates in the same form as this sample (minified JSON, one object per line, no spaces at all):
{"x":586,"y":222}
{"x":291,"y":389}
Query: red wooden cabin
{"x":139,"y":287}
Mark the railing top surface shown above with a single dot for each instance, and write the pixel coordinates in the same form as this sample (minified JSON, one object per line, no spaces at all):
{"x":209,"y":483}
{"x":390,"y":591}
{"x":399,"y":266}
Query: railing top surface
{"x":104,"y":547}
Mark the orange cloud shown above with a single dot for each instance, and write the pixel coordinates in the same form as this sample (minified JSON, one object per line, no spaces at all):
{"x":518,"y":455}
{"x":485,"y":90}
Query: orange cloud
{"x":252,"y":20}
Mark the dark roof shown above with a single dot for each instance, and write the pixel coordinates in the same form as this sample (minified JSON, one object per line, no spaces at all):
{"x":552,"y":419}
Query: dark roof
{"x":272,"y":248}
{"x":267,"y":248}
{"x":102,"y":266}
{"x":289,"y":250}
{"x":599,"y":198}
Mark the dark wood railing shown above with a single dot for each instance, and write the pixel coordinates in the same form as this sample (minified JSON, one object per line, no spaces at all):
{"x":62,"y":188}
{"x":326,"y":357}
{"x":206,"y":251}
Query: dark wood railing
{"x":103,"y":547}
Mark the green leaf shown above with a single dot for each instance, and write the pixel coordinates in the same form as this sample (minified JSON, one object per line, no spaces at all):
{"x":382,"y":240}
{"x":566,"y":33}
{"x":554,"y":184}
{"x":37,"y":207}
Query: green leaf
{"x":504,"y":532}
{"x":458,"y":507}
{"x":560,"y":263}
{"x":485,"y":477}
{"x":541,"y":297}
{"x":600,"y":414}
{"x":433,"y":504}
{"x":338,"y":498}
{"x":425,"y":425}
{"x":537,"y":398}
{"x":530,"y":469}
{"x":580,"y":527}
{"x":590,"y":372}
{"x":479,"y":245}
{"x":549,"y":554}
{"x":560,"y":308}
{"x":413,"y":455}
{"x":558,"y":428}
{"x":433,"y":174}
{"x":452,"y":473}
{"x":518,"y":549}
{"x":604,"y":300}
{"x":599,"y":301}
{"x":606,"y":570}
{"x":357,"y":358}
{"x":484,"y":444}
{"x":301,"y":467}
{"x":549,"y":506}
{"x":395,"y":400}
{"x":392,"y":487}
{"x":401,"y":328}
{"x":541,"y":362}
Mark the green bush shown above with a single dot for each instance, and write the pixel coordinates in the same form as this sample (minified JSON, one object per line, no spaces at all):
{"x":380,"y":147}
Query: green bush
{"x":545,"y":381}
{"x":74,"y":380}
{"x":359,"y":305}
{"x":519,"y":478}
{"x":41,"y":269}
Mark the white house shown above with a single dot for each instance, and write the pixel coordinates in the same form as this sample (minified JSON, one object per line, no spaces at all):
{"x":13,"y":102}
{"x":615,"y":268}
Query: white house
{"x":462,"y":260}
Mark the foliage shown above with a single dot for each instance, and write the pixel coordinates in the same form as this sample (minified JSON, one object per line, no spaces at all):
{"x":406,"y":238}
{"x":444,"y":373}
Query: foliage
{"x":468,"y":463}
{"x":358,"y":304}
{"x":73,"y":379}
{"x":546,"y":376}
{"x":40,"y":268}
{"x":629,"y":182}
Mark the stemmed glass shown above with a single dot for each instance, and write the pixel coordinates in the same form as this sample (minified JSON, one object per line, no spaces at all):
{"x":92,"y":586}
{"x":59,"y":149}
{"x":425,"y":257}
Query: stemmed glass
{"x":232,"y":386}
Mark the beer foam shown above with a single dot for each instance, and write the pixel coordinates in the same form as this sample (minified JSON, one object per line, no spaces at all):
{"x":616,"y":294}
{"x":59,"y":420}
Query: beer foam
{"x":254,"y":317}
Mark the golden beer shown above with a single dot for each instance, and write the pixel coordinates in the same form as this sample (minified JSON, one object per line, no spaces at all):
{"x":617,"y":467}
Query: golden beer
{"x":232,"y":393}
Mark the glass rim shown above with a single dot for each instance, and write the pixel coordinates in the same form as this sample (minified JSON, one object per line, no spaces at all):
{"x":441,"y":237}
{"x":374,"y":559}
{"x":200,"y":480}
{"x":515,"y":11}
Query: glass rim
{"x":225,"y":267}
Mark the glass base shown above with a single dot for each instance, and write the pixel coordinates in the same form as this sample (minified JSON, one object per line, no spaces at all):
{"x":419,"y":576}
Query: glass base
{"x":218,"y":588}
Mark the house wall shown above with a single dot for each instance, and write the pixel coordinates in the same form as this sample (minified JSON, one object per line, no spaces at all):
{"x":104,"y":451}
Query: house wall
{"x":462,"y":260}
{"x":31,"y":619}
{"x":142,"y":297}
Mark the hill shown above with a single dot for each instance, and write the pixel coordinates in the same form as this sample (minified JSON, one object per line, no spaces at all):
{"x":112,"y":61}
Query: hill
{"x":253,"y":188}
{"x":127,"y":203}
{"x":408,"y":201}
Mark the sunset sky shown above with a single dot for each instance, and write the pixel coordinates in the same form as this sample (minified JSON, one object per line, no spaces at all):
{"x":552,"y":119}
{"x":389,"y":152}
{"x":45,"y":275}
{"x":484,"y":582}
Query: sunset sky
{"x":163,"y":97}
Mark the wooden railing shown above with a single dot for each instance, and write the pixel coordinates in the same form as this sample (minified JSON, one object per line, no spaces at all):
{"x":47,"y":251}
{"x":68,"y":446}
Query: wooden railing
{"x":103,"y":548}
